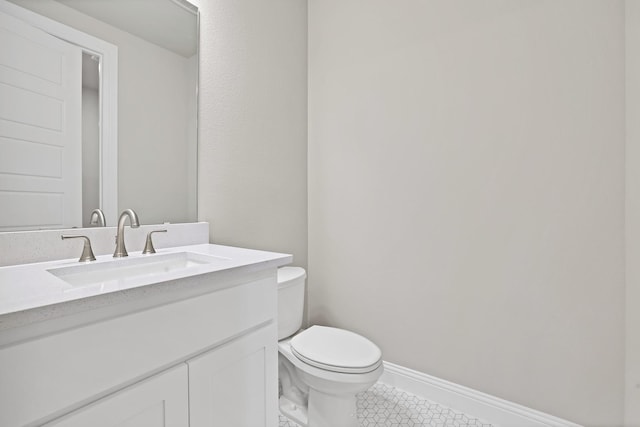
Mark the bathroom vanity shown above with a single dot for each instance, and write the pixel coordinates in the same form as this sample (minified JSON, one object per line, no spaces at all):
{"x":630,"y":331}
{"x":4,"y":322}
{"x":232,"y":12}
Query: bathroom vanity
{"x":184,"y":337}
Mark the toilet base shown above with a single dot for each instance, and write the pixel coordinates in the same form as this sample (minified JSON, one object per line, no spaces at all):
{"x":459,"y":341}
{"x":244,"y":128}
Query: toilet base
{"x":327,"y":410}
{"x":324,"y":410}
{"x":293,"y":411}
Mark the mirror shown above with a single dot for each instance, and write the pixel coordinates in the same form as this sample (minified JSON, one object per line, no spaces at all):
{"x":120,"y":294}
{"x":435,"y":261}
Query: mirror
{"x":154,"y":160}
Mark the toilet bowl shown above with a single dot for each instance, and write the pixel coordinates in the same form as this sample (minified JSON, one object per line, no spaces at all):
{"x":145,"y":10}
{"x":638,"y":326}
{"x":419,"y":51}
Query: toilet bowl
{"x":320,"y":369}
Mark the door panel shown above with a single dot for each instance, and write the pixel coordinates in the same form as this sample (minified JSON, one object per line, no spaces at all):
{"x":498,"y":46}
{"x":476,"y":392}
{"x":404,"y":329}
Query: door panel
{"x":40,"y":128}
{"x":236,"y":384}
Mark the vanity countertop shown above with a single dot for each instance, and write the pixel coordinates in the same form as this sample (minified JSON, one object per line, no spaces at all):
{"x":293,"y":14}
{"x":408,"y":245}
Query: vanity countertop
{"x":31,"y":293}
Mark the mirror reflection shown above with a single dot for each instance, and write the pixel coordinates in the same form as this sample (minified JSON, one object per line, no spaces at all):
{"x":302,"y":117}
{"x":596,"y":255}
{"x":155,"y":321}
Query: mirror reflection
{"x":156,"y":134}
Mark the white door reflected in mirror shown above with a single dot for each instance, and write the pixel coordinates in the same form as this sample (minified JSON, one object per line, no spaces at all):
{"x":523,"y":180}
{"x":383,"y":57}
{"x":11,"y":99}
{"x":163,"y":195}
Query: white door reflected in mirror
{"x":40,"y":129}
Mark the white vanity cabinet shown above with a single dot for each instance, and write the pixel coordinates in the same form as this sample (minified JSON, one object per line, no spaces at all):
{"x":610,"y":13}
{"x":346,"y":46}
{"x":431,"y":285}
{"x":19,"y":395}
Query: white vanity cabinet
{"x":199,"y":351}
{"x":228,"y":386}
{"x":159,"y":401}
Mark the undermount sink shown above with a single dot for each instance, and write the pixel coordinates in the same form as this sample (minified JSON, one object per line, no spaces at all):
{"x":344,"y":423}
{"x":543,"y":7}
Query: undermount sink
{"x":142,"y":267}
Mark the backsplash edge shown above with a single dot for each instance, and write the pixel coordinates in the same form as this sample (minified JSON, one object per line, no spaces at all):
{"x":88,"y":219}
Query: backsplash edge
{"x":25,"y":247}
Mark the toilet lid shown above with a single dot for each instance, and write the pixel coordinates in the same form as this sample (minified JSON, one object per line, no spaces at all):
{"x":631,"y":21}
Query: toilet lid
{"x":336,"y":350}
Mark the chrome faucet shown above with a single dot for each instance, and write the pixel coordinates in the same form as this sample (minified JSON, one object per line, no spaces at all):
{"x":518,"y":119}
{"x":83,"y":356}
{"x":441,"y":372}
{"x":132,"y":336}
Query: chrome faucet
{"x":97,"y":218}
{"x":121,"y":251}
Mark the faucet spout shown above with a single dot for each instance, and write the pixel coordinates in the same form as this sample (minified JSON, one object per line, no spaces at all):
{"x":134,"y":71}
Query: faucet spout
{"x":121,"y":250}
{"x":97,"y":218}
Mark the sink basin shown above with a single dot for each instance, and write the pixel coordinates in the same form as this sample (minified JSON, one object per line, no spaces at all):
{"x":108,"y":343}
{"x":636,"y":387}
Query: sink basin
{"x":143,"y":267}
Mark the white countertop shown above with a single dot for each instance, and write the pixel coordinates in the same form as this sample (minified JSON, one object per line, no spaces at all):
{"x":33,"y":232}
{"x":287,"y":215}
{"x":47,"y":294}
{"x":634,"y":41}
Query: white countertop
{"x":30,"y":286}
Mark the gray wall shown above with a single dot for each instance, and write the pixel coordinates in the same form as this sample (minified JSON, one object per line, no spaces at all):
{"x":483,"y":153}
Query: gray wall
{"x":466,"y":192}
{"x":252,"y":151}
{"x":90,"y":153}
{"x":632,"y":187}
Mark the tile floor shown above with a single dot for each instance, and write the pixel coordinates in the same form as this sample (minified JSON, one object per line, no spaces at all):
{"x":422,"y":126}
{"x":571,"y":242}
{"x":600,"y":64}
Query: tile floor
{"x":386,"y":406}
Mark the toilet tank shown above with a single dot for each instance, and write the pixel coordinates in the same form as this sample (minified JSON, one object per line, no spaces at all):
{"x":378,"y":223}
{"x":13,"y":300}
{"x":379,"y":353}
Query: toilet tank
{"x":290,"y":300}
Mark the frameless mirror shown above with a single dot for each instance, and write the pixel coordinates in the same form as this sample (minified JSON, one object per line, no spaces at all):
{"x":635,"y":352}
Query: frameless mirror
{"x":145,"y":156}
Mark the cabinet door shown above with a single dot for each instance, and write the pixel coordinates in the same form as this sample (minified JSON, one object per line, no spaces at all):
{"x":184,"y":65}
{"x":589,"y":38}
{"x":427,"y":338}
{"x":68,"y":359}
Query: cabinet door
{"x":236,"y":385}
{"x":159,"y":401}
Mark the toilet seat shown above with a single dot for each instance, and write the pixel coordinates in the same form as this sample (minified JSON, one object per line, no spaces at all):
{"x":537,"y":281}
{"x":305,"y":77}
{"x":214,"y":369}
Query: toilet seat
{"x":336,"y":350}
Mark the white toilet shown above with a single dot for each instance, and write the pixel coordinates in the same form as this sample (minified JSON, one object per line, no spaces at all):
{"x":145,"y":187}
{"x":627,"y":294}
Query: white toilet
{"x":321,"y":369}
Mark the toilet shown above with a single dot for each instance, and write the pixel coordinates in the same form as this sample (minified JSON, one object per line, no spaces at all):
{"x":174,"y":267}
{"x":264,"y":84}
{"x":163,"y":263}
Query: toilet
{"x":320,"y":369}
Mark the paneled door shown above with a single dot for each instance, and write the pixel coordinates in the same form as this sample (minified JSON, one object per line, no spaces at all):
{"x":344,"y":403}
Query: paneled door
{"x":40,"y":128}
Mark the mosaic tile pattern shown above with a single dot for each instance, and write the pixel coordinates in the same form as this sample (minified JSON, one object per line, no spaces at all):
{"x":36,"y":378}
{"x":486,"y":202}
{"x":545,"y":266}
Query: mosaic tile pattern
{"x":386,"y":406}
{"x":286,"y":422}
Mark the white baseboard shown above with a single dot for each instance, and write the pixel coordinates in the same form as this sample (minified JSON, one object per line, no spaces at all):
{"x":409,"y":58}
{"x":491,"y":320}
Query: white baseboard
{"x":471,"y":402}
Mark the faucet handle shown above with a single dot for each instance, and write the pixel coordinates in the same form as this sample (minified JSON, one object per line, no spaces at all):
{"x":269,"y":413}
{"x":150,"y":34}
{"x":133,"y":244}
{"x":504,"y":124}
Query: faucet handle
{"x":148,"y":247}
{"x":87,"y":252}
